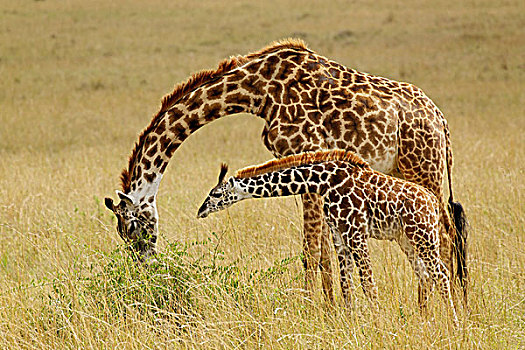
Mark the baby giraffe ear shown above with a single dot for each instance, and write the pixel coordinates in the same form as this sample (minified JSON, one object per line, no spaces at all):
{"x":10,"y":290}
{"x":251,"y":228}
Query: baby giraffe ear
{"x":222,"y":174}
{"x":124,"y":197}
{"x":109,"y":203}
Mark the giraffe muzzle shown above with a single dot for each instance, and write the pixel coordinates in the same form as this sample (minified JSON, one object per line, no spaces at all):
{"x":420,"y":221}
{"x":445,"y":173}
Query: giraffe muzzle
{"x":203,"y":212}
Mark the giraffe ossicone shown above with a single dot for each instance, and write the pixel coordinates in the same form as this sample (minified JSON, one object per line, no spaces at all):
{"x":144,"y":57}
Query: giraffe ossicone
{"x":359,"y":203}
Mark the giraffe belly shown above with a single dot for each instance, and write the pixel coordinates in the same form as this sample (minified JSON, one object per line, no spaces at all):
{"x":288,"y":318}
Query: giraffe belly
{"x":385,"y":233}
{"x":281,"y":143}
{"x":284,"y":140}
{"x":386,"y":163}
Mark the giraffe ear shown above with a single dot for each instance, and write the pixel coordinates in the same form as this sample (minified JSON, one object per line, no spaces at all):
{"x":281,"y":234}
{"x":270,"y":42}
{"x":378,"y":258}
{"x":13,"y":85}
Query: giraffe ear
{"x":109,"y":204}
{"x":124,"y":197}
{"x":222,"y":174}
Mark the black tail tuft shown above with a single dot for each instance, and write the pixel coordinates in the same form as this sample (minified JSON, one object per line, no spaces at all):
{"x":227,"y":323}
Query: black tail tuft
{"x":460,"y":243}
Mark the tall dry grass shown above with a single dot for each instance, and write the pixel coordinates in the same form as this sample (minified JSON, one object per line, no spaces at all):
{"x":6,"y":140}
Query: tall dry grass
{"x":81,"y":79}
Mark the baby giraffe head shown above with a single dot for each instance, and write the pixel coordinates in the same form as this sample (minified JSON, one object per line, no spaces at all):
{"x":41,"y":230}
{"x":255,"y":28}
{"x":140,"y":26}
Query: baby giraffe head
{"x":138,"y":228}
{"x":223,"y":195}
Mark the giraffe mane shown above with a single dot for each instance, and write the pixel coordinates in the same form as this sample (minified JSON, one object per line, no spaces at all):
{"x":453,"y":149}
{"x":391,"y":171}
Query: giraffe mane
{"x":289,"y":43}
{"x":302,"y":159}
{"x":195,"y":81}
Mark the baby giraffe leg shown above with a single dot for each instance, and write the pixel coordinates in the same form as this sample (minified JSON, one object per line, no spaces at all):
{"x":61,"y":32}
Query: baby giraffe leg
{"x":425,"y":289}
{"x":361,"y":254}
{"x":345,"y":267}
{"x":439,"y":274}
{"x":426,"y":285}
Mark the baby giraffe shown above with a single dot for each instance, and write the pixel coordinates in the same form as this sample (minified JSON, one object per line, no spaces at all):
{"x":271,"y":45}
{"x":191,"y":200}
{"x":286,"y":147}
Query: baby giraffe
{"x":359,"y":203}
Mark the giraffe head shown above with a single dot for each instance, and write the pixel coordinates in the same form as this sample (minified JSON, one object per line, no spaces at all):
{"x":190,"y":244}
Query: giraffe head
{"x":223,"y":195}
{"x":136,"y":226}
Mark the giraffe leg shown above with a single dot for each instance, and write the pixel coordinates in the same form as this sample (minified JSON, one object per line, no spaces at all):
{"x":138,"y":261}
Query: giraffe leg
{"x":428,"y":170}
{"x":425,"y":285}
{"x":313,"y":225}
{"x":425,"y":289}
{"x":430,"y":269}
{"x":347,"y":282}
{"x":325,"y":264}
{"x":361,"y":254}
{"x":439,"y":274}
{"x":345,"y":267}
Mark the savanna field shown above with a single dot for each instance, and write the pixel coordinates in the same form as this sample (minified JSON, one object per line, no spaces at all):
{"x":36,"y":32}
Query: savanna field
{"x":80,"y":80}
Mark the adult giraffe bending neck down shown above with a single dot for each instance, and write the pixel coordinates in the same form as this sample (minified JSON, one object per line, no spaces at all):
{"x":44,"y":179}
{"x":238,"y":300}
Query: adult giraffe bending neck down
{"x":308,"y":103}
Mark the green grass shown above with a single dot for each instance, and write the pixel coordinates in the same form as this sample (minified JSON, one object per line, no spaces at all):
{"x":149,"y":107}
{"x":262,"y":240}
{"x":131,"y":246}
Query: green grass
{"x":81,"y":79}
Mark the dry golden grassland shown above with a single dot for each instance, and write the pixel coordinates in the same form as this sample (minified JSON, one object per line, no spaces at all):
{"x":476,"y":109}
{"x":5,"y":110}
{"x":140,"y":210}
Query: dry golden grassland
{"x":80,"y":79}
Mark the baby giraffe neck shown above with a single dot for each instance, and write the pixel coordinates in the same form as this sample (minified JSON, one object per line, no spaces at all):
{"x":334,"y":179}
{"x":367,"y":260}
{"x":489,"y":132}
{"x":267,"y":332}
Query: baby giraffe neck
{"x":287,"y":182}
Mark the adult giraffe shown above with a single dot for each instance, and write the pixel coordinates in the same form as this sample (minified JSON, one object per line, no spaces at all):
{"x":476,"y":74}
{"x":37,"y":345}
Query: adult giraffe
{"x":308,"y":103}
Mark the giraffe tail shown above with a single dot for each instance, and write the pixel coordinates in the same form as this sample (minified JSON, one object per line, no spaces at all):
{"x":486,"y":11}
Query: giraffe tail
{"x":461,"y":224}
{"x":460,"y":244}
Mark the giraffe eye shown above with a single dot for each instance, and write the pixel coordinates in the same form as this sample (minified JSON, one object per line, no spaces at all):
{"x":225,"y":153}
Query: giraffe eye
{"x":217,"y":193}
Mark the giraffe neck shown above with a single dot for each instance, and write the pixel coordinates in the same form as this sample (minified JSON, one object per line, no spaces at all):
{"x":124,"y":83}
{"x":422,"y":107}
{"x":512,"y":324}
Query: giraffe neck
{"x":289,"y":181}
{"x":194,"y":110}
